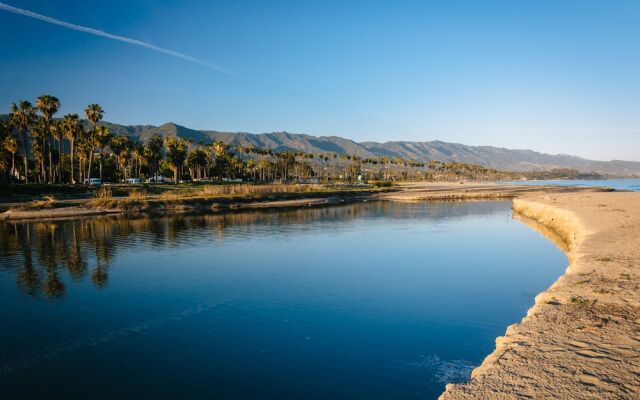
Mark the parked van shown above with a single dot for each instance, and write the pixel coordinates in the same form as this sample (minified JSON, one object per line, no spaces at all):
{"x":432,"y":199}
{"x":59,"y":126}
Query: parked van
{"x":133,"y":181}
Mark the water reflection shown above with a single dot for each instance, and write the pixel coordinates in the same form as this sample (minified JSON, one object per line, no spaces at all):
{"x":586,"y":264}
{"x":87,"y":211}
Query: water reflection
{"x":372,"y":300}
{"x":41,"y":252}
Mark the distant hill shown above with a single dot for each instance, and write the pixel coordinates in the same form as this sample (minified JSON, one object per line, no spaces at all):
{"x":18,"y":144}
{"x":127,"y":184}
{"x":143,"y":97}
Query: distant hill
{"x":493,"y":157}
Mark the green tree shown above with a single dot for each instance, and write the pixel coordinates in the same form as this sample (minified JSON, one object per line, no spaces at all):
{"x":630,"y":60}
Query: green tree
{"x":48,"y":106}
{"x":120,"y":146}
{"x":57,"y":132}
{"x":102,"y":138}
{"x":153,"y":153}
{"x":22,"y":116}
{"x":94,"y":113}
{"x":138,"y":157}
{"x":38,"y":146}
{"x":176,"y":154}
{"x":71,"y":128}
{"x":197,"y":161}
{"x":10,"y":144}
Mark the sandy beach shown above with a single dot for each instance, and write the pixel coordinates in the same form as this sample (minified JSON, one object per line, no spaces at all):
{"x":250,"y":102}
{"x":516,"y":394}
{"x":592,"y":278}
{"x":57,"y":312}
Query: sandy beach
{"x":581,"y":339}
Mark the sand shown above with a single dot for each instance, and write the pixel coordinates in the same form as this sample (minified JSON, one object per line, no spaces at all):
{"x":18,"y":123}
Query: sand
{"x":428,"y":191}
{"x":581,"y":339}
{"x":208,"y":206}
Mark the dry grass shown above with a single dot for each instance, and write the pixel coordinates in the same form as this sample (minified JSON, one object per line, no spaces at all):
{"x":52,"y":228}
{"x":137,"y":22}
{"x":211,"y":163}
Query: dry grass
{"x":209,"y":191}
{"x":137,"y":198}
{"x":381,"y":184}
{"x":45,"y":202}
{"x":102,"y":198}
{"x":138,"y":195}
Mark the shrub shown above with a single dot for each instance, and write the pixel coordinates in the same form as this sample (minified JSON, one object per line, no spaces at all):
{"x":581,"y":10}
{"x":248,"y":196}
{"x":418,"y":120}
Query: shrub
{"x":102,"y":197}
{"x":579,"y":300}
{"x":380,"y":184}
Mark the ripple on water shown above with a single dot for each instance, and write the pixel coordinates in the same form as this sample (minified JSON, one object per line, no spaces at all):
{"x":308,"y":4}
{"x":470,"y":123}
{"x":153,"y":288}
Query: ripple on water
{"x":444,"y":371}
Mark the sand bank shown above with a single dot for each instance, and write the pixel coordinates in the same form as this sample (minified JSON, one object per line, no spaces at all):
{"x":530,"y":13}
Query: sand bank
{"x":427,"y":191}
{"x":581,"y":339}
{"x":178,"y":207}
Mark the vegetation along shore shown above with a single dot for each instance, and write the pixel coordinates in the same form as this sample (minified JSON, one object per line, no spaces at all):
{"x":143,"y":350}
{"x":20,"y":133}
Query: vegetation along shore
{"x":38,"y":147}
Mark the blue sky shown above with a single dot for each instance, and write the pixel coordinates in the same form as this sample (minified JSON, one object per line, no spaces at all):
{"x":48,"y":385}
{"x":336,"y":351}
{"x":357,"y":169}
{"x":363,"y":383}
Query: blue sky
{"x":554,"y":76}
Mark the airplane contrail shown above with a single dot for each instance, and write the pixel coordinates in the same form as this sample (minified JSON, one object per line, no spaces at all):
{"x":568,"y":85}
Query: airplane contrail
{"x":108,"y":35}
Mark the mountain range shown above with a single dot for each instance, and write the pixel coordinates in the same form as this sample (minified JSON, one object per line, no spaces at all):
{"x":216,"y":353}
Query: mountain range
{"x":492,"y":157}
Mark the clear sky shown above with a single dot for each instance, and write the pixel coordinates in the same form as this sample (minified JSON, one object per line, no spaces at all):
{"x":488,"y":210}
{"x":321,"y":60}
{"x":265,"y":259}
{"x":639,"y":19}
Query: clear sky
{"x":559,"y":76}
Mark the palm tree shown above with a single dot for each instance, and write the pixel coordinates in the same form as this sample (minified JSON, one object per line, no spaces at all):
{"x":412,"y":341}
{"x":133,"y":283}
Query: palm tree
{"x":176,"y":154}
{"x":10,"y":144}
{"x":85,"y":149}
{"x":120,"y":145}
{"x":48,"y":106}
{"x":138,"y":156}
{"x":153,"y":152}
{"x":197,"y":162}
{"x":57,"y":133}
{"x":94,"y":114}
{"x":71,"y":126}
{"x":38,"y":146}
{"x":102,"y":138}
{"x":22,"y":116}
{"x":251,"y":167}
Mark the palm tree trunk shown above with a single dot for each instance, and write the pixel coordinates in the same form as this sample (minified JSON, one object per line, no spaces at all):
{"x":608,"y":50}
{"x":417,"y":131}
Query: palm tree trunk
{"x":26,"y":158}
{"x":51,"y":166}
{"x":71,"y":157}
{"x":90,"y":161}
{"x":60,"y":160}
{"x":101,"y":157}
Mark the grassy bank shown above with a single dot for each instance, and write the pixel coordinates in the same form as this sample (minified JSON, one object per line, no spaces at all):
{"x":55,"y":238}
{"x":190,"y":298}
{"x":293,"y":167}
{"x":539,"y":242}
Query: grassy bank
{"x":179,"y":198}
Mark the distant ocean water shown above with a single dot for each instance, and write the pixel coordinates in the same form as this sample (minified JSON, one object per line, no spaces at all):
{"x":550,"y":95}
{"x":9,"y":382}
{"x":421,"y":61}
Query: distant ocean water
{"x":618,"y":184}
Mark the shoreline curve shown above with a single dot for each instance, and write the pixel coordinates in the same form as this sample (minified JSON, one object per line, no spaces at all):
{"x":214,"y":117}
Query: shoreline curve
{"x":581,"y":338}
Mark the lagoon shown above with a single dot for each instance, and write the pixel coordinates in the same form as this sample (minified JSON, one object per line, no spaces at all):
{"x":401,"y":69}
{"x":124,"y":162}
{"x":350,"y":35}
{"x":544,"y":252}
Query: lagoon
{"x":632,"y":185}
{"x":375,"y":300}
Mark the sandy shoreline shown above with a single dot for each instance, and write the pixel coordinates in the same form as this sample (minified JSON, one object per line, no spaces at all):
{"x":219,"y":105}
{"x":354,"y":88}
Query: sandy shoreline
{"x":581,"y":339}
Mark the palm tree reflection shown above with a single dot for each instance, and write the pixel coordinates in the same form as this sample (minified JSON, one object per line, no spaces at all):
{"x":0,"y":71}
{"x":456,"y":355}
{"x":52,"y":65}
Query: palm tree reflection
{"x":48,"y":258}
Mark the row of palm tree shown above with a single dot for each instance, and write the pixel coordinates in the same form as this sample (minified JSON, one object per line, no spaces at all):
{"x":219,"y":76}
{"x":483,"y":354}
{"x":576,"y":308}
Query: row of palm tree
{"x":25,"y":119}
{"x":64,"y":150}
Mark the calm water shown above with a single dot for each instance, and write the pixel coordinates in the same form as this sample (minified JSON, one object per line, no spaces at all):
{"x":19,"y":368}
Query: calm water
{"x":619,"y":184}
{"x":365,"y":301}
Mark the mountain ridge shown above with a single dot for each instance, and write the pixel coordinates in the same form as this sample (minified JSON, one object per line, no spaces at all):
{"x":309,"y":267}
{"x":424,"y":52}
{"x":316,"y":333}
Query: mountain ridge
{"x":489,"y":156}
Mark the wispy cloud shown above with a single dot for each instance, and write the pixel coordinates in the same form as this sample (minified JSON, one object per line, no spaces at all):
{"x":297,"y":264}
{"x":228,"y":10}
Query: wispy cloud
{"x":108,"y":35}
